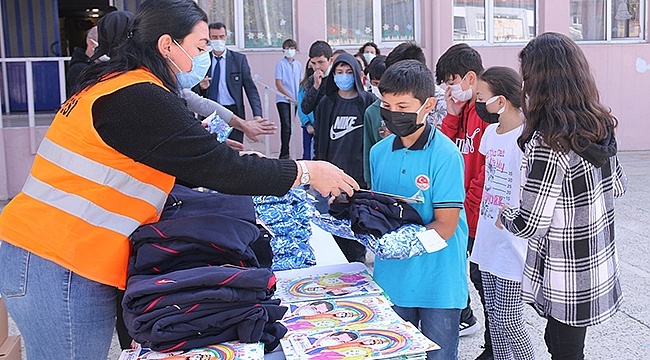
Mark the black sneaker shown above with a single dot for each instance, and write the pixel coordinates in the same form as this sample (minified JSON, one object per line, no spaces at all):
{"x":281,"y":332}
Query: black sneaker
{"x":469,"y":327}
{"x":486,"y":355}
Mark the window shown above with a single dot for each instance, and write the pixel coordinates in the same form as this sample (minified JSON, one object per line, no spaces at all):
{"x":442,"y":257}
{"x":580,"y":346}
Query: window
{"x":253,"y":24}
{"x":355,"y":22}
{"x":589,"y":21}
{"x":494,"y":21}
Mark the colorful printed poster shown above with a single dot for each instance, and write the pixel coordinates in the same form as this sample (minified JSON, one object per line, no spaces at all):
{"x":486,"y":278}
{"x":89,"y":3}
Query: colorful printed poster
{"x":374,"y":340}
{"x":231,"y":350}
{"x":329,"y":282}
{"x":330,"y":313}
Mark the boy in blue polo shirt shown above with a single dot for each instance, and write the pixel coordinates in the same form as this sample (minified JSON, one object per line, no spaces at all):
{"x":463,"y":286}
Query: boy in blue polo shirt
{"x":418,"y":160}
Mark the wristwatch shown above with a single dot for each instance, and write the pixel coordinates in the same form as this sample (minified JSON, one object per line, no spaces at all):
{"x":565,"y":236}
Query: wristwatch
{"x":304,"y":178}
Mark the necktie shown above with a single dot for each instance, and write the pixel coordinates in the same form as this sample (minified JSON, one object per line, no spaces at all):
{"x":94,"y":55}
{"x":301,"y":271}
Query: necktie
{"x":216,"y":74}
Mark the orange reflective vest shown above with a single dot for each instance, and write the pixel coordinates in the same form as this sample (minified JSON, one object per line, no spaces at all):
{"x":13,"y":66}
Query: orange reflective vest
{"x":82,"y":198}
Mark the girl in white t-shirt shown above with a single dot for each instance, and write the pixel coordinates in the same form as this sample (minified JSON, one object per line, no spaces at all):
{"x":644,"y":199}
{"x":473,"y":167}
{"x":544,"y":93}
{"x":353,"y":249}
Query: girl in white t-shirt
{"x":500,"y":255}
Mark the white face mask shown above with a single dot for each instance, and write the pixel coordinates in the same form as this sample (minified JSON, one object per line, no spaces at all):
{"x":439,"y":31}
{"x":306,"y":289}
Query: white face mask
{"x":218,"y":45}
{"x":289,"y":53}
{"x":493,"y":99}
{"x":459,"y":94}
{"x":368,"y":56}
{"x":375,"y":90}
{"x":104,"y":58}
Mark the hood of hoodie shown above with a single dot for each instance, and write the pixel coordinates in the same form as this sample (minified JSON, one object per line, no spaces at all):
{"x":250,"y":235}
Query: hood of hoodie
{"x":599,"y":153}
{"x":79,"y":56}
{"x":330,"y":85}
{"x":112,"y":30}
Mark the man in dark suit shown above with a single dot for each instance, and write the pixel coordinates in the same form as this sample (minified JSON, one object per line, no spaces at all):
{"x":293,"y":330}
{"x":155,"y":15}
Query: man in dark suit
{"x":228,"y":76}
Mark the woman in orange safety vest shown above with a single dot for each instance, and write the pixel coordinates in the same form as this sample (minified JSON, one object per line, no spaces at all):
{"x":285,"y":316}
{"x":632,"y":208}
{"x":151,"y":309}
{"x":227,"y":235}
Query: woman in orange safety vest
{"x":105,"y":167}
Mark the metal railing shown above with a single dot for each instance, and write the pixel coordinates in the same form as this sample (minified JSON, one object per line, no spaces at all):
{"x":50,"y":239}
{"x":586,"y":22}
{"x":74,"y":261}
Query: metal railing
{"x":29,"y":80}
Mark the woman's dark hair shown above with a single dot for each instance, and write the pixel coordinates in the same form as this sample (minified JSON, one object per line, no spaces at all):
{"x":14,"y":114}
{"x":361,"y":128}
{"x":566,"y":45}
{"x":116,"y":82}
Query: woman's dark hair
{"x":308,"y":72}
{"x":153,"y":19}
{"x":563,"y":101}
{"x":503,"y":81}
{"x":370,"y":43}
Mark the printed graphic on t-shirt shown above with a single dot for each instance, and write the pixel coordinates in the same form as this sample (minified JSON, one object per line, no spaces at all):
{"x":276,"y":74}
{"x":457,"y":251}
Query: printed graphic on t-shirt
{"x":466,"y":145}
{"x":498,"y":183}
{"x":344,"y":125}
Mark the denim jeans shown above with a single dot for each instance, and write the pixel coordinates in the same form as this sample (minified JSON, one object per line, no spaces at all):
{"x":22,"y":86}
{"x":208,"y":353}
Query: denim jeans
{"x":307,"y":146}
{"x":439,"y":325}
{"x":60,"y":314}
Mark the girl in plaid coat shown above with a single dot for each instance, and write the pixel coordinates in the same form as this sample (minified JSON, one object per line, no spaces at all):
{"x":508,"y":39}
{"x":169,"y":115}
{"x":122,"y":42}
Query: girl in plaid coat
{"x":570,"y":177}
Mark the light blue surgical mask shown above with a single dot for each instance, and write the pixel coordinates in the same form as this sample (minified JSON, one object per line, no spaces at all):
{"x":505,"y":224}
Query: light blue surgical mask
{"x":218,"y":45}
{"x":345,"y":82}
{"x":200,"y":66}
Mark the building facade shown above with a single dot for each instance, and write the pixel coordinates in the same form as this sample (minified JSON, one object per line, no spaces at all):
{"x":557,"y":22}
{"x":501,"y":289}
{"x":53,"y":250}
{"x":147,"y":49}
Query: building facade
{"x":612,"y":33}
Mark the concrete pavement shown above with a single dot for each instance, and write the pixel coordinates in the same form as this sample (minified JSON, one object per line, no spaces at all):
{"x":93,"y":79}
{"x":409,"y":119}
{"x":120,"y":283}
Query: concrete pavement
{"x":627,"y":335}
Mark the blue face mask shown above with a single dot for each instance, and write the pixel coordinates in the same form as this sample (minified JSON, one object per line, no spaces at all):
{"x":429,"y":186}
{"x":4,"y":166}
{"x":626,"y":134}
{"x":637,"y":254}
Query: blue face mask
{"x":200,"y":66}
{"x":345,"y":82}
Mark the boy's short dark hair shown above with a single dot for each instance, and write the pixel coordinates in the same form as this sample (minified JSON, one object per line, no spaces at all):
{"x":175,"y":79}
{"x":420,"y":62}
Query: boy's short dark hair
{"x":217,"y":25}
{"x":320,"y":48}
{"x":458,"y":60}
{"x":408,"y":77}
{"x":376,"y":67}
{"x":289,"y":43}
{"x":406,"y":51}
{"x":339,"y":52}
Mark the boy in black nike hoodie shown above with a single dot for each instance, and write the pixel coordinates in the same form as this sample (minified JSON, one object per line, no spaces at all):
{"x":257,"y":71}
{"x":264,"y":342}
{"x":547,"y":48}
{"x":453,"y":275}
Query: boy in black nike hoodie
{"x":338,"y":130}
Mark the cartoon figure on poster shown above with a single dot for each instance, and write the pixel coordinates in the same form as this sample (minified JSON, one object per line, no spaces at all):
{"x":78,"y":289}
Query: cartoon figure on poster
{"x":355,"y":344}
{"x":214,"y":352}
{"x":327,"y":314}
{"x":331,"y":285}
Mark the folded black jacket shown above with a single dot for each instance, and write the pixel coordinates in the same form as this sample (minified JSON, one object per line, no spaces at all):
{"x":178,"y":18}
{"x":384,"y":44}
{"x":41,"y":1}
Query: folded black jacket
{"x":375,"y":214}
{"x":192,"y":241}
{"x":187,"y":327}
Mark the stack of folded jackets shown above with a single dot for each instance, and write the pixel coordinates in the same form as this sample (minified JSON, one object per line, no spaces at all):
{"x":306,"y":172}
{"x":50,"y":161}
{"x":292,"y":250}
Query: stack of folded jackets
{"x":289,"y":219}
{"x":194,"y":279}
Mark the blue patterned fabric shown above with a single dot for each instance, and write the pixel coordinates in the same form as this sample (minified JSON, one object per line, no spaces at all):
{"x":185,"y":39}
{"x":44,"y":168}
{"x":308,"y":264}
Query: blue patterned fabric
{"x":288,"y":217}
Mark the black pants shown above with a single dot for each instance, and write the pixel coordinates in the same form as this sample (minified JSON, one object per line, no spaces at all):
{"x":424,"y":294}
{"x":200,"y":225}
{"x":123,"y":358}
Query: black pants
{"x":352,"y":249}
{"x":236,"y":135}
{"x":564,"y":342}
{"x":475,"y":277}
{"x":284,"y":110}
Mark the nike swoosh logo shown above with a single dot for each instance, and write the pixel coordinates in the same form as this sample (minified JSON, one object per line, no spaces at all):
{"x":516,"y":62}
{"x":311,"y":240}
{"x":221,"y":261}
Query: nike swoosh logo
{"x":335,"y":135}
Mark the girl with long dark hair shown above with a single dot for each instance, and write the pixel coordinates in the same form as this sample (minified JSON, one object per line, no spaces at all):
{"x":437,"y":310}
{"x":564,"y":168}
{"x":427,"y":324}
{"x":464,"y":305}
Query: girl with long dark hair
{"x":570,"y":177}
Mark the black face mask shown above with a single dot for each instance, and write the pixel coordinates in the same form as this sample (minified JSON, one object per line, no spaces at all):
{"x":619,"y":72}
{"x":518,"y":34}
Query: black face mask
{"x":401,"y":123}
{"x":488,"y":117}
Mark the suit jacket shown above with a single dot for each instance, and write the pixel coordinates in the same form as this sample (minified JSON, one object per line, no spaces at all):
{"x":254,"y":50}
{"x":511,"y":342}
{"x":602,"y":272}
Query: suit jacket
{"x":238,"y":78}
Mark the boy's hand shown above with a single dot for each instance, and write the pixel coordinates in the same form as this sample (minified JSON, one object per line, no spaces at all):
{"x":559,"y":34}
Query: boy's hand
{"x":258,"y":126}
{"x":205,"y":83}
{"x":235,"y":145}
{"x":498,"y":223}
{"x":453,"y":107}
{"x":310,"y":129}
{"x":318,"y":78}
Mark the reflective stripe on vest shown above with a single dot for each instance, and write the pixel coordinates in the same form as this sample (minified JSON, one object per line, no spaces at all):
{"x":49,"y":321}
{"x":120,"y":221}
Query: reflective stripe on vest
{"x":79,"y":207}
{"x":101,"y":174}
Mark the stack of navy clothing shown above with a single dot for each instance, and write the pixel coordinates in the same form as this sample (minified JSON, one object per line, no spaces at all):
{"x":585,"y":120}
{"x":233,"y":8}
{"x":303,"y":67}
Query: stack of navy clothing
{"x":289,"y":218}
{"x":194,"y":279}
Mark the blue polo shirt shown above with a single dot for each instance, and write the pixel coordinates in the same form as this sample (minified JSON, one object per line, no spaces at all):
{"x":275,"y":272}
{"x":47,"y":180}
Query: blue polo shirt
{"x":433,"y":168}
{"x":290,"y":72}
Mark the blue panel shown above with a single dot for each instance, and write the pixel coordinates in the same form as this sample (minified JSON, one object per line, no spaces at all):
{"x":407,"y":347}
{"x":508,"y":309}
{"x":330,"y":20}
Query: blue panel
{"x":17,"y":86}
{"x":46,"y":86}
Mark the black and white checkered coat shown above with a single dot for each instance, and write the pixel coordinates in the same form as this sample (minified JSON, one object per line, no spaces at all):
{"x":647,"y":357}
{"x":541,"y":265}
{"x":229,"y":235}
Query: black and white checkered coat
{"x":567,"y":214}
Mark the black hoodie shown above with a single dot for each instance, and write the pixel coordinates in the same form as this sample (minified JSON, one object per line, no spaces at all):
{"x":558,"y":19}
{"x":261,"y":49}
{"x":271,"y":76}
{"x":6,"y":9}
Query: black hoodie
{"x":78,"y":62}
{"x":338,"y":123}
{"x":598,"y":154}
